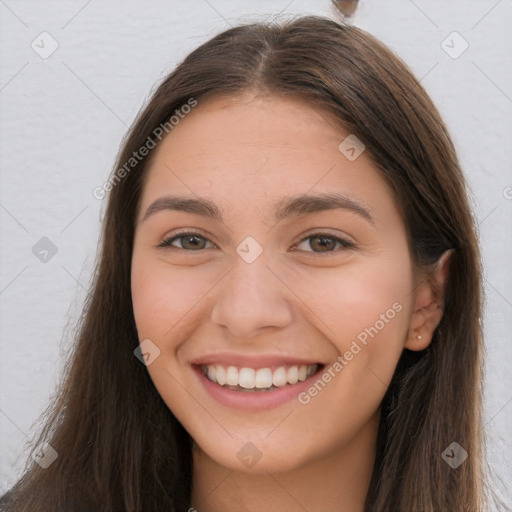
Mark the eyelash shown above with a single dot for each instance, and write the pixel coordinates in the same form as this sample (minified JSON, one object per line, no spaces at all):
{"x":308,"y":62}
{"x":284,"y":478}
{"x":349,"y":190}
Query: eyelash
{"x":345,"y":244}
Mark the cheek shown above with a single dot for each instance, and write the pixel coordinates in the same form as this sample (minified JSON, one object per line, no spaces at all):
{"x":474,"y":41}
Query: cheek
{"x":351,"y":298}
{"x":363,"y":308}
{"x":160,"y":298}
{"x":367,"y":308}
{"x":166,"y":298}
{"x":373,"y":302}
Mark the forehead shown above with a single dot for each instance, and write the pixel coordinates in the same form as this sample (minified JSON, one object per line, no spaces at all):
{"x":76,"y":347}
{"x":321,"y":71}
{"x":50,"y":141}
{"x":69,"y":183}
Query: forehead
{"x":254,"y":120}
{"x":253,"y":149}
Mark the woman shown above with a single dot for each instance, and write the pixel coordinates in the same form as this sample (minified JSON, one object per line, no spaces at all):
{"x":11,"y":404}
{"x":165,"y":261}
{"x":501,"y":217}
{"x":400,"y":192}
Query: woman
{"x":286,"y":309}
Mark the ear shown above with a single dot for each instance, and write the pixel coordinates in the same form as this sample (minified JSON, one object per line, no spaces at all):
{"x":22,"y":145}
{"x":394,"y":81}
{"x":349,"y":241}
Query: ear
{"x":429,"y":308}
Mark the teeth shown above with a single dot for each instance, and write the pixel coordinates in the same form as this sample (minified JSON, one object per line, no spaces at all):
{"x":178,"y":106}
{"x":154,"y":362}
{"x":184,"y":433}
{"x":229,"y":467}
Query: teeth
{"x":279,"y":377}
{"x":232,"y":376}
{"x":246,"y":378}
{"x":261,"y":379}
{"x":292,"y":375}
{"x":220,"y":375}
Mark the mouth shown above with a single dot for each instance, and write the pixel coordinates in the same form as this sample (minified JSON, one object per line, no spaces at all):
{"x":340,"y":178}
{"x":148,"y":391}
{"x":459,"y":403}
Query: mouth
{"x":255,"y":382}
{"x":258,"y":380}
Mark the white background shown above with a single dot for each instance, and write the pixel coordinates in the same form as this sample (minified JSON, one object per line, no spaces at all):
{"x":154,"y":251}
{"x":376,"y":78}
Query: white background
{"x":62,"y":120}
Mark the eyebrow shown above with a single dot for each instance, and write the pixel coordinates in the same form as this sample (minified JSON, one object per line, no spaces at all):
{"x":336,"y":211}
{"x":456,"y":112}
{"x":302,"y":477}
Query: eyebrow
{"x":286,"y":207}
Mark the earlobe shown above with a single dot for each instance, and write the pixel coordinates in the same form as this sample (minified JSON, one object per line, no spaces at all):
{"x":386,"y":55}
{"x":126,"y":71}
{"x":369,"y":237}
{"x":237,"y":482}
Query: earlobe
{"x":429,"y":305}
{"x":423,"y":324}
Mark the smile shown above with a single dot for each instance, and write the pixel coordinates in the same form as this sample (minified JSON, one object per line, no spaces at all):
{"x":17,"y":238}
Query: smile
{"x":257,"y":380}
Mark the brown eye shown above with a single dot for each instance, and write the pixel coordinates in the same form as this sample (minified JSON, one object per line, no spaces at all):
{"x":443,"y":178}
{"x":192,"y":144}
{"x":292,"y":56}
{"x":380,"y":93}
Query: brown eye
{"x":192,"y":242}
{"x":186,"y":241}
{"x":323,"y":242}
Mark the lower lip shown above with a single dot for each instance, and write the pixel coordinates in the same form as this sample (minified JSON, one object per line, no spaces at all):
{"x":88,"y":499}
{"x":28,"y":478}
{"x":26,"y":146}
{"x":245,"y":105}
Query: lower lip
{"x":259,"y":400}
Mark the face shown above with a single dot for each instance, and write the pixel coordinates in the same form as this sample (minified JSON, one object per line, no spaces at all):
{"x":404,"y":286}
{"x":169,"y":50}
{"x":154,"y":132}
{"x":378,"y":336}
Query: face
{"x":271,"y":281}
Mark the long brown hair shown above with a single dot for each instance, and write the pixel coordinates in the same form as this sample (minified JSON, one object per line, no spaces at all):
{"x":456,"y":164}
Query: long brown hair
{"x":120,"y":447}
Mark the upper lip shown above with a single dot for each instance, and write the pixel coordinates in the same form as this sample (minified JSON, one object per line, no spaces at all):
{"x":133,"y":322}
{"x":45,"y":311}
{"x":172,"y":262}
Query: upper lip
{"x":251,"y":360}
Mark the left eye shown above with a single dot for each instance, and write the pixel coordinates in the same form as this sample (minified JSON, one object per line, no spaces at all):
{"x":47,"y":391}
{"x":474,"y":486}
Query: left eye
{"x":317,"y":242}
{"x":188,"y":242}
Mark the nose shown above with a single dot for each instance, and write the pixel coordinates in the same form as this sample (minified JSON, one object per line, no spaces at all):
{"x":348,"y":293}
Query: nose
{"x":250,"y":299}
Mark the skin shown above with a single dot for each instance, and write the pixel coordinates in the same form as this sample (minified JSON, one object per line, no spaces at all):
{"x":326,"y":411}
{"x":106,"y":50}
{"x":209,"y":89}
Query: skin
{"x":246,"y":153}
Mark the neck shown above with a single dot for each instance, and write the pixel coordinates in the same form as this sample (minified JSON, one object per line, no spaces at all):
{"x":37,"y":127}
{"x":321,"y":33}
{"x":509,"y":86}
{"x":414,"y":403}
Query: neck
{"x":337,"y":482}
